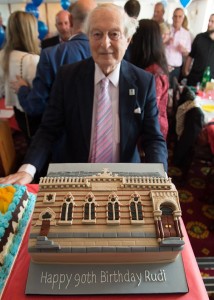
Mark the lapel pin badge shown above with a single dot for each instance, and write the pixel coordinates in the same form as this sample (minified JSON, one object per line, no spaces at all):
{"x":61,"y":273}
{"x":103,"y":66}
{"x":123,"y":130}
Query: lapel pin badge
{"x":131,"y":92}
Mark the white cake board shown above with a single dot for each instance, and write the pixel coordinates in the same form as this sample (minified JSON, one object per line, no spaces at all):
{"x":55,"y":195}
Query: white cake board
{"x":92,"y":279}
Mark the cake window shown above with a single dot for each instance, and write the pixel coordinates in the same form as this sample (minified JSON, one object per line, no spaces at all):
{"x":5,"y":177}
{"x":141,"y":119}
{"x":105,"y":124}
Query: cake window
{"x":89,"y":209}
{"x":46,"y":214}
{"x":136,"y":209}
{"x":113,"y":209}
{"x":66,"y":216}
{"x":49,"y":197}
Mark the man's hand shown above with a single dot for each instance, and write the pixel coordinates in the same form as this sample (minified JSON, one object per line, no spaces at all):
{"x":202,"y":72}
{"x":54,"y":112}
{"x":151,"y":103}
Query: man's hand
{"x":18,"y":178}
{"x":182,"y":50}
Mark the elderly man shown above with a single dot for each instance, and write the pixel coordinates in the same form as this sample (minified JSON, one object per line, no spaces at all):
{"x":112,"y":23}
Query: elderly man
{"x":178,"y":46}
{"x":63,"y":28}
{"x":101,"y":124}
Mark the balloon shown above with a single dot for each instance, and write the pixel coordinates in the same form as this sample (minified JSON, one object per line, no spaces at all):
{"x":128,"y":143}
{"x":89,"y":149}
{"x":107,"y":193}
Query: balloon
{"x":31,"y":8}
{"x":184,"y":3}
{"x":65,"y":4}
{"x":43,"y":29}
{"x":2,"y":36}
{"x":37,"y":2}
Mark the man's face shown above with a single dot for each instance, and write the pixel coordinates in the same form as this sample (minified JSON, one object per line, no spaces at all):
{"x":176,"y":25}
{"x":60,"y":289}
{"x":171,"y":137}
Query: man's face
{"x":158,"y":13}
{"x":107,"y":41}
{"x":211,"y":23}
{"x":63,"y":26}
{"x":178,"y":17}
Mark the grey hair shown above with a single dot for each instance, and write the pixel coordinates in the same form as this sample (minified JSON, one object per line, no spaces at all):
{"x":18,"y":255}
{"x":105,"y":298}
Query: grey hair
{"x":130,"y":24}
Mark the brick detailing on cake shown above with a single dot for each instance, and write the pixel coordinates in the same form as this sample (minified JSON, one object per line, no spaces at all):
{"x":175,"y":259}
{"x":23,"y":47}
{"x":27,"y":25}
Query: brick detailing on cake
{"x":113,"y":235}
{"x":107,"y":214}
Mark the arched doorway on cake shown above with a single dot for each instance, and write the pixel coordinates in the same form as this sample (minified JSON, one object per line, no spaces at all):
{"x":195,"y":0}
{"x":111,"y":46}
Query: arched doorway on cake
{"x":46,"y":217}
{"x":167,"y":220}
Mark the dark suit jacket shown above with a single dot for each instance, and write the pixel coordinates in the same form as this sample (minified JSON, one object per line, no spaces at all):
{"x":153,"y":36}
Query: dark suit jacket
{"x":50,"y":42}
{"x":70,"y":109}
{"x":34,"y":100}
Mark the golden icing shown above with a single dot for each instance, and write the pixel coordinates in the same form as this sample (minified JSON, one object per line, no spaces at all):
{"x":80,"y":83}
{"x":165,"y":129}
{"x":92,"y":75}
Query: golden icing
{"x":6,"y":197}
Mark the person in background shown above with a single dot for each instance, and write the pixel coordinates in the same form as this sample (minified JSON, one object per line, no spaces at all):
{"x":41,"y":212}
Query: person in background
{"x":165,"y":32}
{"x":20,"y":55}
{"x":131,"y":103}
{"x":201,"y":55}
{"x":34,"y":99}
{"x":159,"y":12}
{"x":148,"y":53}
{"x":1,"y":23}
{"x":2,"y":33}
{"x":132,"y":8}
{"x":185,"y":23}
{"x":182,"y":77}
{"x":178,"y":46}
{"x":63,"y":28}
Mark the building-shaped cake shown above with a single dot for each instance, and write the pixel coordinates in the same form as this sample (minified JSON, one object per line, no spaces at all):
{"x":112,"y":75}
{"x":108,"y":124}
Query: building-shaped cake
{"x":106,"y":218}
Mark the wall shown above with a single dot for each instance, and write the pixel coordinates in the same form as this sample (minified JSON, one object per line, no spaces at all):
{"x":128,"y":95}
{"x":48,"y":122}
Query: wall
{"x":198,"y":11}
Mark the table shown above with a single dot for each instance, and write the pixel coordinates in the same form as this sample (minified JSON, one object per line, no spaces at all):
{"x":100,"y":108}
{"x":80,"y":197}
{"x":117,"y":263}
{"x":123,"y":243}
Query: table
{"x":15,"y":288}
{"x":207,"y":106}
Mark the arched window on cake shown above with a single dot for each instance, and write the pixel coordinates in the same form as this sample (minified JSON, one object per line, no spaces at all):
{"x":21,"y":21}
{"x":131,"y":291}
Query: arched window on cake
{"x":136,"y":209}
{"x":113,"y":209}
{"x":89,"y":209}
{"x":67,"y":209}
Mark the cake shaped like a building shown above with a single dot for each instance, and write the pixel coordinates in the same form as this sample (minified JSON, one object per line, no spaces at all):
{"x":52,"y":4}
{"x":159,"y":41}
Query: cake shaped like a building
{"x":107,"y":218}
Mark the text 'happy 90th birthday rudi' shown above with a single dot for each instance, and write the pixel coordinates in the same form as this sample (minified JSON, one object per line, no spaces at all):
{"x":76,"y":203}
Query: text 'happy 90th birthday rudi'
{"x":65,"y":280}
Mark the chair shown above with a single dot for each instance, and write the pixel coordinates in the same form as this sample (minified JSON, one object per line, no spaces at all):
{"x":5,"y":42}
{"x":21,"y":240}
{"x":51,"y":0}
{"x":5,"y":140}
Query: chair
{"x":174,"y":96}
{"x":189,"y":123}
{"x":204,"y":152}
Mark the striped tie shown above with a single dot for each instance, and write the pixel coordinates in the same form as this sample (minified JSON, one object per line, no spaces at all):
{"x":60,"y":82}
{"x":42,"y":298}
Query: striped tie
{"x":102,"y":150}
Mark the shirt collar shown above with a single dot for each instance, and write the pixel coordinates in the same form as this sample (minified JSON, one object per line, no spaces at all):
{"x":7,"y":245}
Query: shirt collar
{"x":113,"y":76}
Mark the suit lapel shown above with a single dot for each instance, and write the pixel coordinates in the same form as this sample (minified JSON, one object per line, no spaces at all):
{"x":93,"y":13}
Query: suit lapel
{"x":128,"y":93}
{"x":85,"y":91}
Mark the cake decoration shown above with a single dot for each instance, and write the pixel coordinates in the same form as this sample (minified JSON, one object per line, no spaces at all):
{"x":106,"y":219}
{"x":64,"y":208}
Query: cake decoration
{"x":106,"y":218}
{"x":14,"y":216}
{"x":6,"y":197}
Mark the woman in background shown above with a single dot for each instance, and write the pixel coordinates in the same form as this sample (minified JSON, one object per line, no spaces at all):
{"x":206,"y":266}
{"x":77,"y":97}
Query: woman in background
{"x":165,"y":32}
{"x":19,"y":57}
{"x":147,"y":52}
